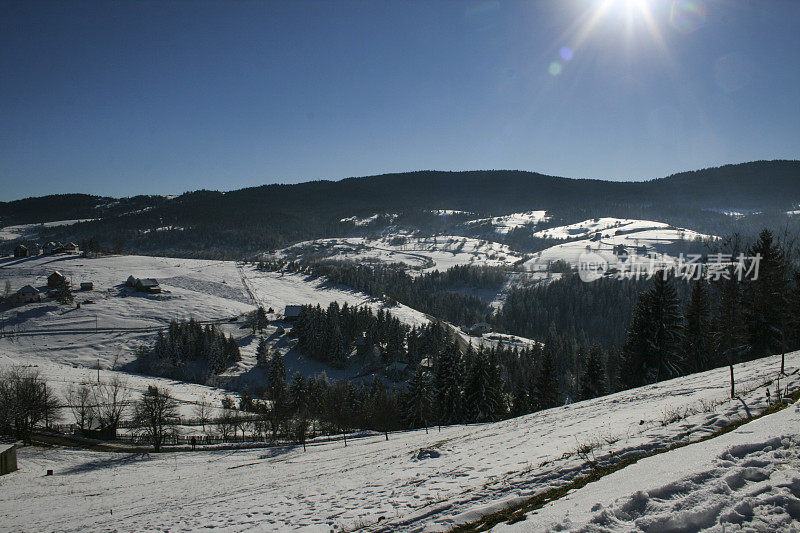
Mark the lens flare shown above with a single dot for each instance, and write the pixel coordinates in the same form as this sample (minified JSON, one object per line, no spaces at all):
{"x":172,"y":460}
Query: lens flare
{"x":555,"y":68}
{"x":687,"y":16}
{"x":565,"y":53}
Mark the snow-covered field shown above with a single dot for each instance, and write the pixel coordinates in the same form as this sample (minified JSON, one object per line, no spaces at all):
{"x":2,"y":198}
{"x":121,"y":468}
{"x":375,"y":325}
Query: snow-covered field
{"x":434,"y":480}
{"x":423,"y":254}
{"x":31,"y":231}
{"x":117,"y":320}
{"x":504,"y":224}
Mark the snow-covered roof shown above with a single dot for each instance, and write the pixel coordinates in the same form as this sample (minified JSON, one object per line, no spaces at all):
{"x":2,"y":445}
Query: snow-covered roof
{"x":292,"y":310}
{"x":148,"y":282}
{"x":28,"y":289}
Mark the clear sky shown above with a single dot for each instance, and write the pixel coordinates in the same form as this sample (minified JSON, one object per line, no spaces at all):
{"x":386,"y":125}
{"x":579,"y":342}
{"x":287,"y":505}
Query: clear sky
{"x":124,"y":98}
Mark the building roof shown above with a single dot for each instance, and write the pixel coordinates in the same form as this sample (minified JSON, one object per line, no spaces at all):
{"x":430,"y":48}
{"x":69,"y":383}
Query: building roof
{"x":57,"y":274}
{"x":28,"y":289}
{"x":147,"y":282}
{"x":5,"y":447}
{"x":292,"y":310}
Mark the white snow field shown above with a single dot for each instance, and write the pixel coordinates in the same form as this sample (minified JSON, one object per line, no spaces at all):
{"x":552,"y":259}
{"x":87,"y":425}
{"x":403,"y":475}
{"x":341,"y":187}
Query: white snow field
{"x":422,"y":254}
{"x":419,"y":481}
{"x":504,"y":224}
{"x":656,"y":237}
{"x":118,"y":320}
{"x":31,"y":231}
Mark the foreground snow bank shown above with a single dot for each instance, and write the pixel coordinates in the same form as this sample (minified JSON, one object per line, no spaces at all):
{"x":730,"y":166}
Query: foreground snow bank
{"x":746,"y":480}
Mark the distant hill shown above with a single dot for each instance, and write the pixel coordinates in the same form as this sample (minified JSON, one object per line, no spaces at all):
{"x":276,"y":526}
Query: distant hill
{"x":269,"y":216}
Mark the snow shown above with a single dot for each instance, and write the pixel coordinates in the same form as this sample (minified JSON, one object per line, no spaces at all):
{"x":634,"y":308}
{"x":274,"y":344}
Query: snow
{"x":748,"y":479}
{"x":433,"y":481}
{"x":424,"y":254}
{"x":31,"y":231}
{"x":504,"y":224}
{"x":366,"y":221}
{"x":119,"y":319}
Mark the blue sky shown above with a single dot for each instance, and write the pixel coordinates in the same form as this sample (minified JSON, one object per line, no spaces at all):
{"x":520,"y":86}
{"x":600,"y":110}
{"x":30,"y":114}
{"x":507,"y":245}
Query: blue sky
{"x":124,"y":98}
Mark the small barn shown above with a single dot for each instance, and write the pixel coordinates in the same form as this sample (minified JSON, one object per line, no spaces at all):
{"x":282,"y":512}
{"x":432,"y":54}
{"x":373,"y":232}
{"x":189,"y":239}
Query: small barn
{"x":8,"y":458}
{"x":56,"y":279}
{"x":53,"y":247}
{"x":131,"y":281}
{"x":71,"y":248}
{"x":27,"y":294}
{"x":292,"y":312}
{"x":35,"y":249}
{"x":87,"y":286}
{"x":480,"y":328}
{"x":21,"y":251}
{"x":148,"y":285}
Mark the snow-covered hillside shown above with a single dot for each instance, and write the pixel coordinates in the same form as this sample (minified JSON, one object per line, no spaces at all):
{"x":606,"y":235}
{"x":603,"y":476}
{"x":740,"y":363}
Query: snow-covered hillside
{"x":113,"y":320}
{"x":31,"y":231}
{"x":505,"y":223}
{"x":422,"y":254}
{"x":420,"y":480}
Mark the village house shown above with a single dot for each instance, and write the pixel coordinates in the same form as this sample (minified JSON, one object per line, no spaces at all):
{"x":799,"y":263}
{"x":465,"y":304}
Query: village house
{"x":27,"y":294}
{"x":148,"y":285}
{"x":21,"y":251}
{"x":71,"y":248}
{"x":52,"y":247}
{"x":131,"y":281}
{"x":479,"y":329}
{"x":292,"y":312}
{"x":8,"y":458}
{"x":56,"y":279}
{"x":87,"y":286}
{"x":34,"y":249}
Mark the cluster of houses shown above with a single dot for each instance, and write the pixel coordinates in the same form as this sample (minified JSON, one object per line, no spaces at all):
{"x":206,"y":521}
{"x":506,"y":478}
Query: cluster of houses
{"x":49,"y":248}
{"x":29,"y":293}
{"x":144,"y":284}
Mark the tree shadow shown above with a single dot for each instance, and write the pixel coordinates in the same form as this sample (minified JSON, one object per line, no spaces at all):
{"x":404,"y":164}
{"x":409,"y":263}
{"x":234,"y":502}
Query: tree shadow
{"x":110,"y":462}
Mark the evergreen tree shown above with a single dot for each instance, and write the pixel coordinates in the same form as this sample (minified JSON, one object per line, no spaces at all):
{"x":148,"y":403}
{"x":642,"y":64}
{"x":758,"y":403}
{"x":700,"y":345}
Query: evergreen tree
{"x":262,"y":353}
{"x":698,"y":348}
{"x":298,"y":394}
{"x":417,"y":404}
{"x":277,"y":377}
{"x":593,"y":381}
{"x":547,"y":391}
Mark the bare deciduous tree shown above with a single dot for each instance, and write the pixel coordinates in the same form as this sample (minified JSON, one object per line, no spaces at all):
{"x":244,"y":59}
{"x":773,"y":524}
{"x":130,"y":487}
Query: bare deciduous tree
{"x":156,"y":414}
{"x":111,"y":397}
{"x":80,"y":399}
{"x":25,"y":402}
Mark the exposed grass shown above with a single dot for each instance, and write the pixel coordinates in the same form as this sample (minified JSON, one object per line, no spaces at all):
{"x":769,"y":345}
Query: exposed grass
{"x":518,"y":512}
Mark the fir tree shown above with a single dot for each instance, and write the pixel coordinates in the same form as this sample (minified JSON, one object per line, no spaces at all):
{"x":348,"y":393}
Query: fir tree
{"x":417,"y":404}
{"x":698,"y":335}
{"x":593,"y":381}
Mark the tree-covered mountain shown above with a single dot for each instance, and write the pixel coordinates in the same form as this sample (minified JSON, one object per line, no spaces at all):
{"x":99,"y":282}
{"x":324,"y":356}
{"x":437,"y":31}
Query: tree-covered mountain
{"x":258,"y":218}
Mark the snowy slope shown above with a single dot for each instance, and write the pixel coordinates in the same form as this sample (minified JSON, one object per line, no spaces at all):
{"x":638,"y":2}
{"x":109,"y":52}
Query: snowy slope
{"x":504,"y":224}
{"x":748,"y":479}
{"x":31,"y":231}
{"x":376,"y":484}
{"x":423,"y":254}
{"x":109,"y":329}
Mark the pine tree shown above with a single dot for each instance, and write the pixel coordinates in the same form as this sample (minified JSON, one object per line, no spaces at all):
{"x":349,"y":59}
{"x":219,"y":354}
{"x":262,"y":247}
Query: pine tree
{"x":277,"y":377}
{"x":262,"y":353}
{"x":417,"y":405}
{"x":547,"y":392}
{"x":765,"y":298}
{"x":593,"y":381}
{"x":479,"y":400}
{"x":698,"y":335}
{"x":298,"y":394}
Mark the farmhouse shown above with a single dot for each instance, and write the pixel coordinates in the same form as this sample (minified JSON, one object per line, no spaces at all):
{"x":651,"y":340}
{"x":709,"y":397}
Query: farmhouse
{"x":53,"y":247}
{"x":27,"y":294}
{"x":35,"y":249}
{"x":71,"y":248}
{"x":8,"y":458}
{"x":148,"y":285}
{"x":131,"y":281}
{"x":21,"y":251}
{"x":56,"y":279}
{"x":480,"y":328}
{"x":292,"y":312}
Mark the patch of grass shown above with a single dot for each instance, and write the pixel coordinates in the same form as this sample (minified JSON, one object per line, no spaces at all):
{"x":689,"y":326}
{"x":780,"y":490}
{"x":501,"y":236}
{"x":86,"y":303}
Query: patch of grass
{"x":518,"y":512}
